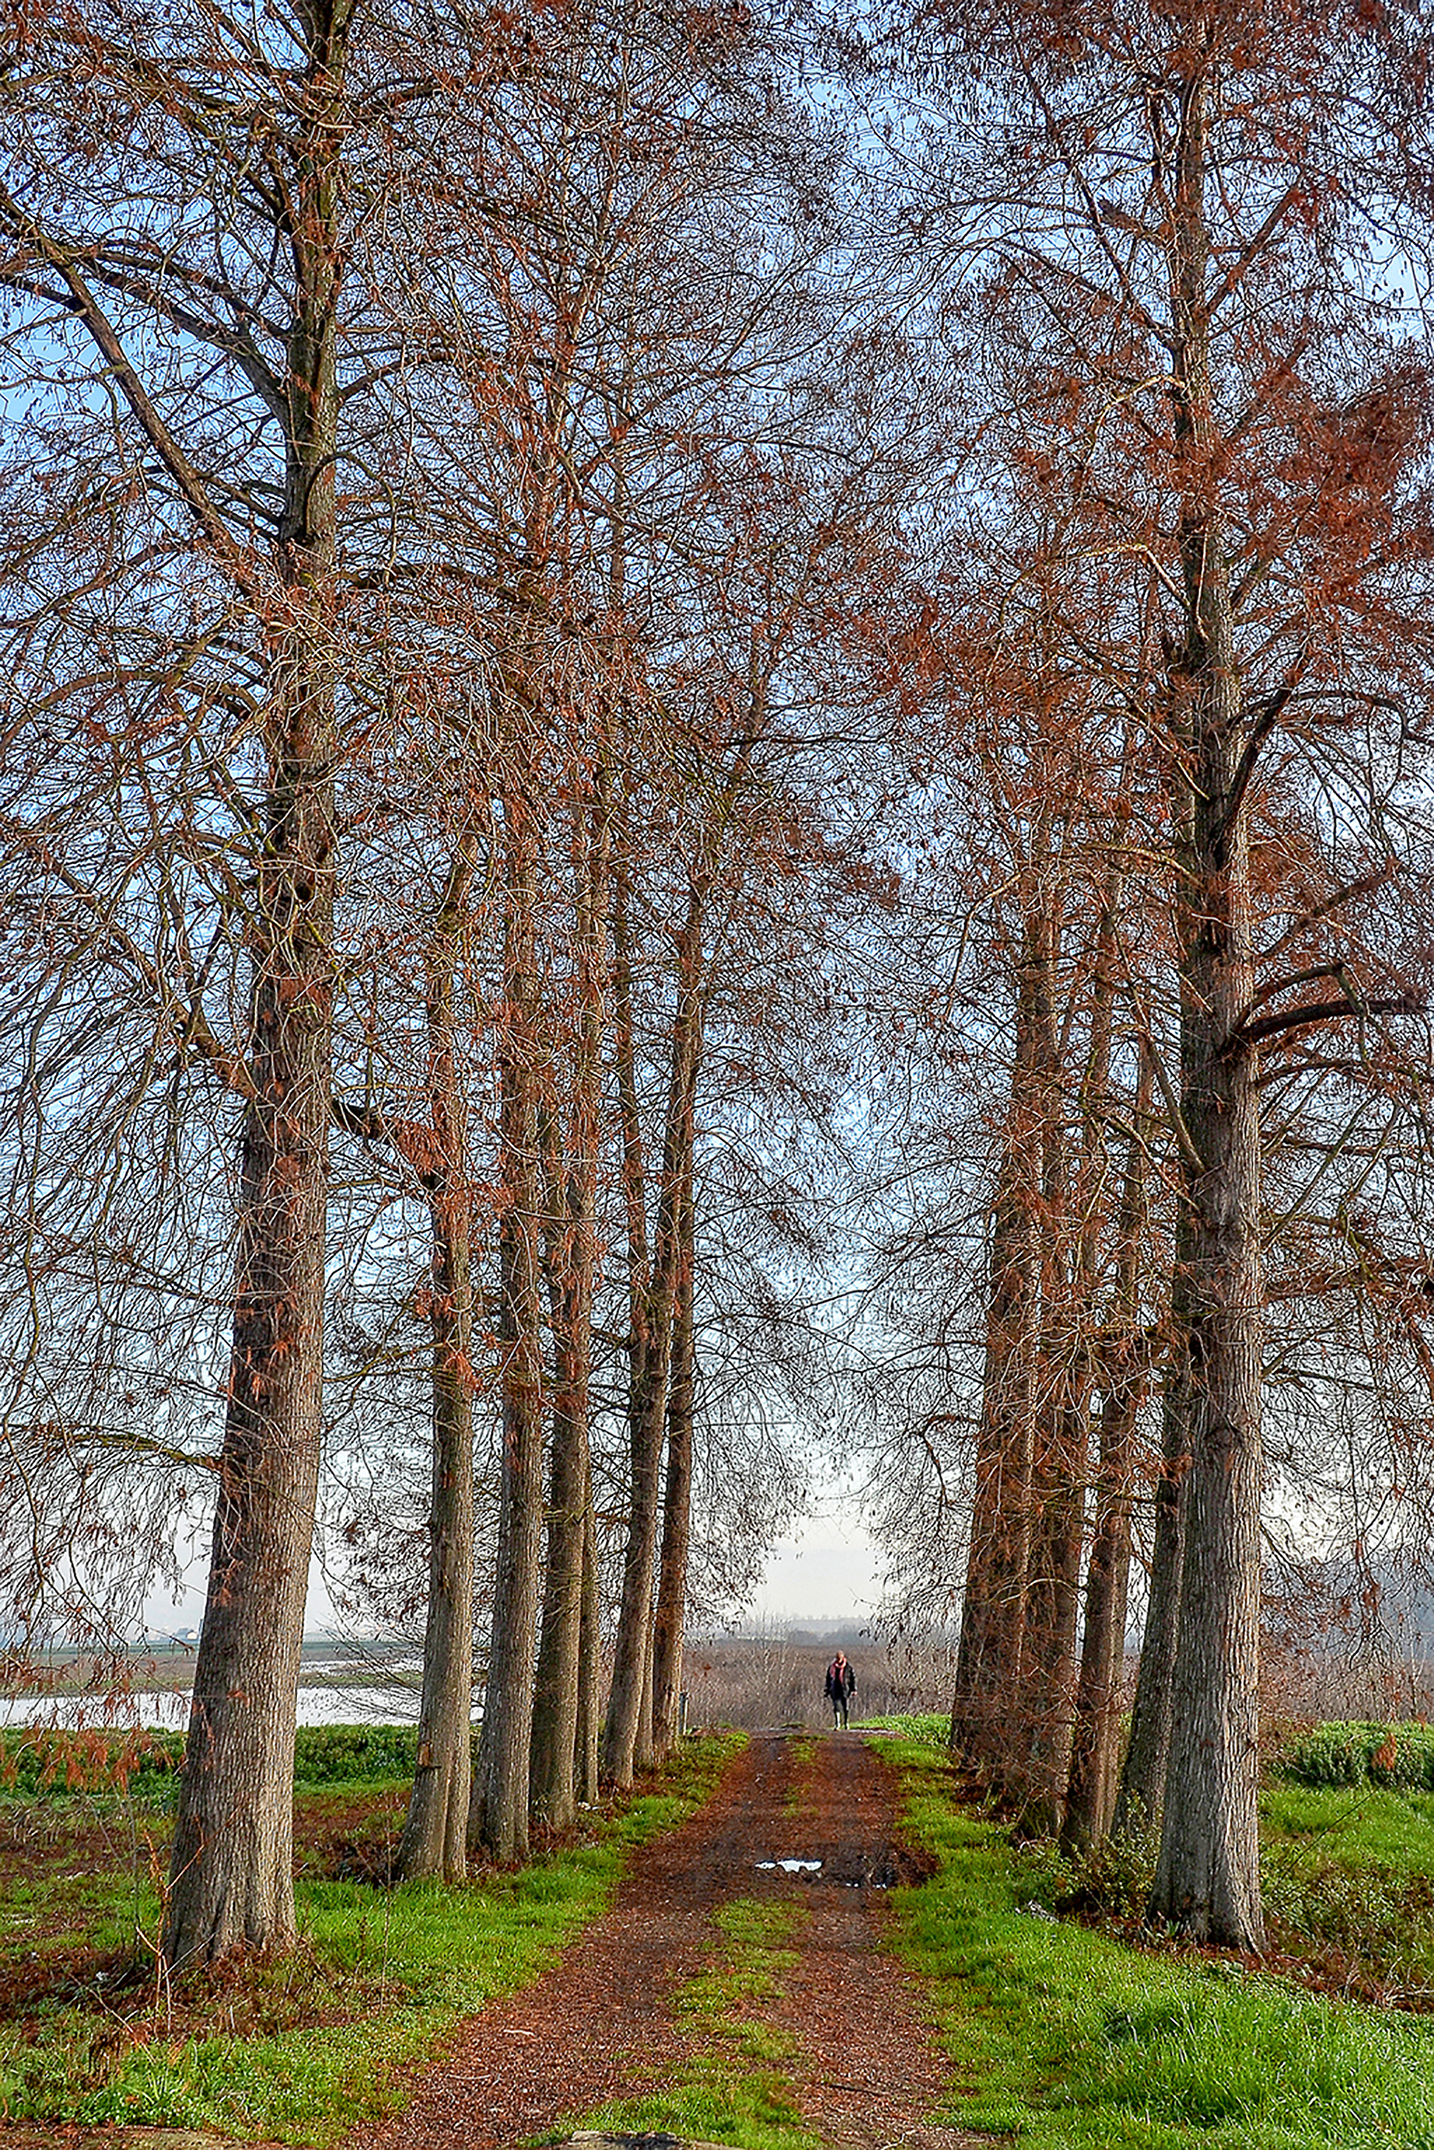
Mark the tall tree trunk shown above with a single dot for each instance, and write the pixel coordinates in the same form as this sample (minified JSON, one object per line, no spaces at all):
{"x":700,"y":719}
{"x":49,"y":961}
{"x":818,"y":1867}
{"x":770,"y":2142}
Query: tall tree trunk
{"x":498,"y":1816}
{"x":1141,"y":1798}
{"x":1095,"y":1749}
{"x":589,"y":1732}
{"x":993,"y":1609}
{"x":1045,"y":1703}
{"x":677,"y":1494}
{"x":624,"y":1698}
{"x":643,"y":1754}
{"x":993,"y":1603}
{"x":1207,"y":1881}
{"x":628,"y":1733}
{"x":552,"y":1792}
{"x":1095,"y":1752}
{"x":434,"y":1839}
{"x":435,"y":1827}
{"x":1045,"y":1696}
{"x":231,"y":1873}
{"x":652,"y":1324}
{"x":572,"y":1264}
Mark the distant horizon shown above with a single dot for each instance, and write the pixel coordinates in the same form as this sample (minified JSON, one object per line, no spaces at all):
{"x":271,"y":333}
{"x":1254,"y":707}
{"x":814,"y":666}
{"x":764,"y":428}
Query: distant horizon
{"x":749,"y":1626}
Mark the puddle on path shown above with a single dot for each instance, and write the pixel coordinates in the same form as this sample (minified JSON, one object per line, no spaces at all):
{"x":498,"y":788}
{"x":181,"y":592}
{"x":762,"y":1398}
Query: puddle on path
{"x":889,"y":1868}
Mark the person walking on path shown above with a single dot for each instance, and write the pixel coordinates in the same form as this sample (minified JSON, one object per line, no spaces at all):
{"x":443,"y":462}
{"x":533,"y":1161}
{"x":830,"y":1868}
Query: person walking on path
{"x":841,"y":1686}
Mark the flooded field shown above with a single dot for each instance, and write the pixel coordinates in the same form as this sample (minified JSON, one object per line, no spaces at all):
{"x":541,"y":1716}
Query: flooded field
{"x":337,"y":1685}
{"x":167,"y":1709}
{"x":748,"y":1680}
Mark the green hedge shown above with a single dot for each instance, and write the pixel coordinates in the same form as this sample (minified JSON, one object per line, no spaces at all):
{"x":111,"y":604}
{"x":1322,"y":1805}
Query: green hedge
{"x":38,"y":1764}
{"x":1391,"y":1754}
{"x":354,"y":1753}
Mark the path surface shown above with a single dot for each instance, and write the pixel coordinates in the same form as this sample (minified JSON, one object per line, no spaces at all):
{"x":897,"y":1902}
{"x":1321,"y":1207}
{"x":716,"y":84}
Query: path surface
{"x":600,"y":2025}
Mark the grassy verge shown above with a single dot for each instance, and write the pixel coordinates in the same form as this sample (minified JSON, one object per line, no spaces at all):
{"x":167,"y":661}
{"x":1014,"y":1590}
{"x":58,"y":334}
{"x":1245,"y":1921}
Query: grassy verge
{"x":1348,"y":1879}
{"x":1066,"y":2040}
{"x":1348,"y":1875}
{"x":382,"y":1973}
{"x":733,"y":2087}
{"x":931,"y":1727}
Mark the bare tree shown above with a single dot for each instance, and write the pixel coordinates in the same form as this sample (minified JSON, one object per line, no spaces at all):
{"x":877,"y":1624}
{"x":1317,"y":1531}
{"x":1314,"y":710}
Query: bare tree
{"x":1145,"y":210}
{"x":256,"y":297}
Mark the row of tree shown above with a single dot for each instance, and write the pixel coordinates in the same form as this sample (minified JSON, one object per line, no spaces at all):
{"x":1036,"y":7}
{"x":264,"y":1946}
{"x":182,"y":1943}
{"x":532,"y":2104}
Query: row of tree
{"x":416,"y":569}
{"x":1192,"y":614}
{"x":640,"y":643}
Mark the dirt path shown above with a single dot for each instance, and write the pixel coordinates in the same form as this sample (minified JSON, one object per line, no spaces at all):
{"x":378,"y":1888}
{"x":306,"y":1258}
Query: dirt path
{"x":599,"y":2024}
{"x":873,"y":2069}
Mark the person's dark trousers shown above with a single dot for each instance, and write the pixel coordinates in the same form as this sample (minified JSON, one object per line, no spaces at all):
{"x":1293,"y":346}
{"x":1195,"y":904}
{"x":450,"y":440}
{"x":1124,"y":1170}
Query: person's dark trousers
{"x":840,"y":1719}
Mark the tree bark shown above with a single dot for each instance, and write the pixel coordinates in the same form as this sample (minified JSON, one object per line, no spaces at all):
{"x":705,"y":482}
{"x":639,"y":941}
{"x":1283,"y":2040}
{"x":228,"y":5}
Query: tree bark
{"x":643,"y":1756}
{"x":231,"y":1872}
{"x":1046,"y":1696}
{"x":1141,"y":1798}
{"x":498,"y":1813}
{"x":231,"y":1880}
{"x":677,"y":1495}
{"x":624,"y":1698}
{"x":572,"y":1268}
{"x":589,"y":1732}
{"x":993,"y":1603}
{"x":434,"y":1838}
{"x":1095,"y":1744}
{"x":627,"y":1734}
{"x":1207,"y":1881}
{"x":993,"y":1608}
{"x":1045,"y":1703}
{"x":552,"y":1790}
{"x":1095,"y":1754}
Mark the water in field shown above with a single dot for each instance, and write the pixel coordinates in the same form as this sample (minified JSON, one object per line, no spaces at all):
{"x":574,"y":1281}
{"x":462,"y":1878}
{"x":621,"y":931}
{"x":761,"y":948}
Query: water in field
{"x":170,"y":1711}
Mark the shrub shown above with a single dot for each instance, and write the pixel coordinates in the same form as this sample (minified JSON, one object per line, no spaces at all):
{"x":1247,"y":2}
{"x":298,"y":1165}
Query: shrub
{"x":44,"y":1763}
{"x":1366,"y":1912}
{"x":39,"y":1763}
{"x":1390,"y":1754}
{"x":354,"y":1753}
{"x":1117,"y":1876}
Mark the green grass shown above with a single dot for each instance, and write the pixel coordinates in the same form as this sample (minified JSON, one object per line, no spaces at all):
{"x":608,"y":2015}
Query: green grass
{"x":415,"y":1958}
{"x":1353,"y":1826}
{"x":734,"y":2088}
{"x":1348,"y":1870}
{"x":1066,"y":2040}
{"x":802,"y":1753}
{"x":931,"y":1727}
